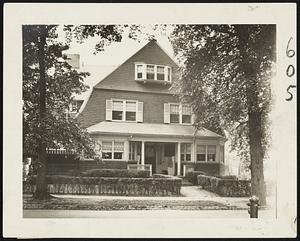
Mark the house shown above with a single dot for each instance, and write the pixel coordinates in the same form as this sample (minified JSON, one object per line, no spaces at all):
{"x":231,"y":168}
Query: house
{"x":139,"y":121}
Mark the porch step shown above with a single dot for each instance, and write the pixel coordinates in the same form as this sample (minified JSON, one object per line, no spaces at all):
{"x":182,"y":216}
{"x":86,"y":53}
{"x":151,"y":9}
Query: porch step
{"x":186,"y":183}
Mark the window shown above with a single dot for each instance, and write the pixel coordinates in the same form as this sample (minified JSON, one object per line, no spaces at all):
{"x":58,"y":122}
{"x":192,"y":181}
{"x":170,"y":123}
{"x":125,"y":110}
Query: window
{"x":107,"y":150}
{"x":152,"y":72}
{"x":139,"y":70}
{"x":222,"y":154}
{"x":130,"y":110}
{"x":186,"y":114}
{"x":201,"y":153}
{"x":160,"y":72}
{"x":174,"y":113}
{"x":112,"y":150}
{"x":177,"y":113}
{"x":134,"y":151}
{"x":185,"y":152}
{"x":211,"y":153}
{"x":124,"y":110}
{"x":117,"y":110}
{"x":206,"y":153}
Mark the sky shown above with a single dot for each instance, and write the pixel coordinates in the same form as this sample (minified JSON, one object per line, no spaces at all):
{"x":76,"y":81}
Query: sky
{"x":103,"y":63}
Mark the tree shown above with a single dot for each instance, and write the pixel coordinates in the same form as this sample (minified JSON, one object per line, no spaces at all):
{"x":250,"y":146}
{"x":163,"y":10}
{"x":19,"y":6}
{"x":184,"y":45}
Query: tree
{"x":48,"y":87}
{"x":226,"y":72}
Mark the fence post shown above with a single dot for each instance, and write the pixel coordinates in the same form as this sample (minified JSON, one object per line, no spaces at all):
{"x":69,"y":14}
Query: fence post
{"x":253,"y":204}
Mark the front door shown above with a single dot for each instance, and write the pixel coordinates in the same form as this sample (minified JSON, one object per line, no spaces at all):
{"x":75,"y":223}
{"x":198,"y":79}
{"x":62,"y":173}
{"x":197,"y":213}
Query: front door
{"x":150,"y":156}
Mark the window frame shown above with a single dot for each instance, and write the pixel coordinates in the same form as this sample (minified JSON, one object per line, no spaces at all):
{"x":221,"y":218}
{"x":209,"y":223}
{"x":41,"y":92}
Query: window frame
{"x":167,"y":72}
{"x":124,"y":110}
{"x":113,"y":150}
{"x":180,"y":113}
{"x":185,"y":153}
{"x":206,"y":153}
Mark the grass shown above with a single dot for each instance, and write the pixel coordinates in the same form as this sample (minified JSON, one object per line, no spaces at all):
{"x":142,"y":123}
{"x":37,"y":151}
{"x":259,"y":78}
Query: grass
{"x":98,"y":203}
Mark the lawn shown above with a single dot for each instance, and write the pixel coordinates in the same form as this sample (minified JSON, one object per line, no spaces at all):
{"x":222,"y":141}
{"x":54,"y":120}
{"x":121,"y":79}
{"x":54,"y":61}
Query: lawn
{"x":102,"y":203}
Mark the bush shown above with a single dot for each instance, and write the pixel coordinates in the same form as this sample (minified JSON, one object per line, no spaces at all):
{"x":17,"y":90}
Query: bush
{"x":231,"y":177}
{"x":116,"y":173}
{"x":158,"y":186}
{"x":192,"y":176}
{"x":228,"y":187}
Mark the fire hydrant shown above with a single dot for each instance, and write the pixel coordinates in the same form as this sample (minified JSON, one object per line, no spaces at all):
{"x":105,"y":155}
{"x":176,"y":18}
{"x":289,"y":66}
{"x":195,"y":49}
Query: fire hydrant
{"x":253,"y":204}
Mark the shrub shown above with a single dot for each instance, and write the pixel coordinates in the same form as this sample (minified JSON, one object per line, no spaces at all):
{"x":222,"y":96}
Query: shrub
{"x":116,"y":173}
{"x":228,"y":187}
{"x":110,"y":185}
{"x":192,"y":176}
{"x":231,"y":177}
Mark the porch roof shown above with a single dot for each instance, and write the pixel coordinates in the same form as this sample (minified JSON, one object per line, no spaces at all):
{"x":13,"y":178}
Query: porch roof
{"x":133,"y":128}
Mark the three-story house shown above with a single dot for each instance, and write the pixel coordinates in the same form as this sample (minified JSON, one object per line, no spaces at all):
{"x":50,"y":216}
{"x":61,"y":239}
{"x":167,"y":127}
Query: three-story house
{"x":137,"y":119}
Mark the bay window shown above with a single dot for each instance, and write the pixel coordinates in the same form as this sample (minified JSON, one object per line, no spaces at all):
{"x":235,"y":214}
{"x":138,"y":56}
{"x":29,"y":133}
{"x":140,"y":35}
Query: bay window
{"x":153,"y":72}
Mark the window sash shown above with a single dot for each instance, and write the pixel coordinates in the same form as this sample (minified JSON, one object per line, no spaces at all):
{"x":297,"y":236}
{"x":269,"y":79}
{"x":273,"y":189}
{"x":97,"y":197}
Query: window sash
{"x":113,"y":150}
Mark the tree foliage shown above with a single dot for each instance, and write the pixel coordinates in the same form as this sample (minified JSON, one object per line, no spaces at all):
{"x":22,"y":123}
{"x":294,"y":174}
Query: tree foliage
{"x":226,"y":72}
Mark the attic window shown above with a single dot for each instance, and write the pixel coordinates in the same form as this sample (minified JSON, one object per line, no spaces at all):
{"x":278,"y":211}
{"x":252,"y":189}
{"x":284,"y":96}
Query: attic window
{"x":152,"y":72}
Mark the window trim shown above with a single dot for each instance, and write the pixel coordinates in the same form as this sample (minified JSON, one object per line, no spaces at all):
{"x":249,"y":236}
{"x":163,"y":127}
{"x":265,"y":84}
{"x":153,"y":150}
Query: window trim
{"x":180,"y":114}
{"x":206,"y":153}
{"x":167,"y":73}
{"x":185,"y":152}
{"x":113,"y":150}
{"x":124,"y":110}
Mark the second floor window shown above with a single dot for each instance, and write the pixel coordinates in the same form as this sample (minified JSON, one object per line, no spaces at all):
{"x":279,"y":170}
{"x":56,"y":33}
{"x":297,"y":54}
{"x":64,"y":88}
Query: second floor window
{"x":177,"y":113}
{"x":124,"y":110}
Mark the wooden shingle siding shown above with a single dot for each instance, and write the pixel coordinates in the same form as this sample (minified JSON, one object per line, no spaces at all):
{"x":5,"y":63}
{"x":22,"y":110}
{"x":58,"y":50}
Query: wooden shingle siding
{"x":153,"y":105}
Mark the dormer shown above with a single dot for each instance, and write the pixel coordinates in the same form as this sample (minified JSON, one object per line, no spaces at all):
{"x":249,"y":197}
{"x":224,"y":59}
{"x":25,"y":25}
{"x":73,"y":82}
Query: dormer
{"x":153,"y":73}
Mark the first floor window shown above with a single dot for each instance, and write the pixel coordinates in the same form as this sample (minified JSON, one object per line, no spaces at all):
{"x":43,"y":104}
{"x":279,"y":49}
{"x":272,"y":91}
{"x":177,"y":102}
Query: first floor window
{"x":201,"y":153}
{"x":117,"y":110}
{"x":174,"y":113}
{"x":222,"y":154}
{"x":211,"y":153}
{"x":185,"y":152}
{"x":118,"y":150}
{"x":107,"y":150}
{"x":134,"y":151}
{"x":112,"y":150}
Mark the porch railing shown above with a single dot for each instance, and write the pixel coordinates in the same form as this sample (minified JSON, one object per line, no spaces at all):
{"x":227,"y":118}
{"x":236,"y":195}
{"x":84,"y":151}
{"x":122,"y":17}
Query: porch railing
{"x":147,"y":167}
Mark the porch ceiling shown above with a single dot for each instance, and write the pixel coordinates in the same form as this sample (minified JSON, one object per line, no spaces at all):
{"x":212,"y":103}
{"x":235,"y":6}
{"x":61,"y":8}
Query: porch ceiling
{"x":134,"y":128}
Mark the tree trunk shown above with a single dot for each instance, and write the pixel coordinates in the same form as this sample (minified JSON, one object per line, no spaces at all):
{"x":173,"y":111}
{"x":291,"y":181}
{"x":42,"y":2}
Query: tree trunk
{"x":250,"y":70}
{"x":41,"y":181}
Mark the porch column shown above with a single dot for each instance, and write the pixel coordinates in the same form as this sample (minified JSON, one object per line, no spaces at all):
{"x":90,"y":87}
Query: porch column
{"x":178,"y":159}
{"x":143,"y":153}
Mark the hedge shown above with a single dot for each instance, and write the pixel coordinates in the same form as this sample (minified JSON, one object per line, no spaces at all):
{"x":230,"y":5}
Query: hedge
{"x":157,"y":186}
{"x":225,"y":187}
{"x":192,"y":176}
{"x":116,"y":173}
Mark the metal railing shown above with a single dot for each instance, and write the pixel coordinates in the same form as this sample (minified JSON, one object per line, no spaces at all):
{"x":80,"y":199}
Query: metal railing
{"x":147,"y":167}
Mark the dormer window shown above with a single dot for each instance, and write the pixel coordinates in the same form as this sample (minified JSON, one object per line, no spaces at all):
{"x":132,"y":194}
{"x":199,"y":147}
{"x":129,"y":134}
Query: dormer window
{"x":153,"y":73}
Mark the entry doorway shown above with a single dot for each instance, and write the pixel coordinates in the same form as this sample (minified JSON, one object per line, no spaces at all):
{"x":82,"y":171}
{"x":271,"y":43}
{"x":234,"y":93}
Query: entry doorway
{"x":150,"y":155}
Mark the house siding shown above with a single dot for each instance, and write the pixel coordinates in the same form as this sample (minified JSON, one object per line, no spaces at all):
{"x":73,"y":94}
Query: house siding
{"x":94,"y":111}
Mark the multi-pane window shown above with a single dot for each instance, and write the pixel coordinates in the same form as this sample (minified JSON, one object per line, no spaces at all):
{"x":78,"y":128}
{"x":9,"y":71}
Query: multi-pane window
{"x":160,"y":72}
{"x":206,"y":153}
{"x":134,"y":151}
{"x":107,"y":150}
{"x":139,"y":70}
{"x":112,"y":150}
{"x":185,"y":152}
{"x":201,"y":153}
{"x":186,"y":114}
{"x":174,"y":113}
{"x":211,"y":153}
{"x":124,"y":110}
{"x":150,"y":72}
{"x":130,"y":110}
{"x":117,"y":110}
